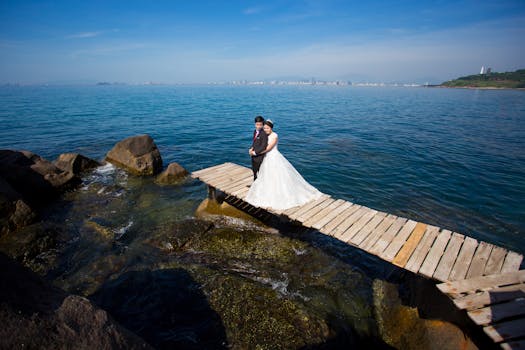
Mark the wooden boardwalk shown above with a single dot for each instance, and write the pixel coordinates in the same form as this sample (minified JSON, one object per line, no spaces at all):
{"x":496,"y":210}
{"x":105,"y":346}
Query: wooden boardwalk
{"x":494,"y":302}
{"x":424,"y":249}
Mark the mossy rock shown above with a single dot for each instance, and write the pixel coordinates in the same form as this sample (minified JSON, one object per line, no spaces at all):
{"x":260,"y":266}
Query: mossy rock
{"x":401,"y":326}
{"x":210,"y":207}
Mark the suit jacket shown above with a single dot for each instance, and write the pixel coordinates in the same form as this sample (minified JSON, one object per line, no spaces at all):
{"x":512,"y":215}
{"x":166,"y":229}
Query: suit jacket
{"x":260,"y":143}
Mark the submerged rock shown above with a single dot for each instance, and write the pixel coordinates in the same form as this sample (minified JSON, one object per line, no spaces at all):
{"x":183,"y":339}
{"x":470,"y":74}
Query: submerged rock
{"x":402,"y":327}
{"x":165,"y":307}
{"x":35,"y":246}
{"x":14,"y":212}
{"x":212,"y":207}
{"x":137,"y":154}
{"x":173,"y":174}
{"x":35,"y":314}
{"x":75,"y":163}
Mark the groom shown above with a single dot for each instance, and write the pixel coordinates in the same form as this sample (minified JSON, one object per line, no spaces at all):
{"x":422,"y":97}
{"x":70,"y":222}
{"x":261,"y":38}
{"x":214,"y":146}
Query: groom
{"x":260,"y":141}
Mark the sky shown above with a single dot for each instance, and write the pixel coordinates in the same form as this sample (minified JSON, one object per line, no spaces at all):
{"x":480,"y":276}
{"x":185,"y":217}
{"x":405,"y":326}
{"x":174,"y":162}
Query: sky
{"x":218,"y":41}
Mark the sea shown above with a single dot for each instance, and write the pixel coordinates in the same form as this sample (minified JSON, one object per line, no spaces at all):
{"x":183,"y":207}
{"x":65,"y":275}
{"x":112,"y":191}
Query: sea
{"x":454,"y":158}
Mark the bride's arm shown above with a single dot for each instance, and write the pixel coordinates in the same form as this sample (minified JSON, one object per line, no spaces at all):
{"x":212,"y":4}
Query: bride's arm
{"x":271,"y":144}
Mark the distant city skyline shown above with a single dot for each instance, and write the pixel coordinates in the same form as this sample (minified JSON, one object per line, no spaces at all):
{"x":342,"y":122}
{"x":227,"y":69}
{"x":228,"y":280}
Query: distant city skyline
{"x":211,"y":41}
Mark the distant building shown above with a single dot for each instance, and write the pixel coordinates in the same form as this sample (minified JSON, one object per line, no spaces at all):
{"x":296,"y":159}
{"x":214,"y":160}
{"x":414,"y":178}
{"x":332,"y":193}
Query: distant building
{"x":485,"y":70}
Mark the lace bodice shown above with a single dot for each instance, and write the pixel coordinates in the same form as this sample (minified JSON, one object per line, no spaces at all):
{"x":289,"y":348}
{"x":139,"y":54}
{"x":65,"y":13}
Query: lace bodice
{"x":272,"y":137}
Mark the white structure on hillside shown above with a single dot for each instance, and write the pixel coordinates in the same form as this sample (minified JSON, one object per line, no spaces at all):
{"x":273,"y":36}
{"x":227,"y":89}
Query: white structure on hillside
{"x":485,"y":70}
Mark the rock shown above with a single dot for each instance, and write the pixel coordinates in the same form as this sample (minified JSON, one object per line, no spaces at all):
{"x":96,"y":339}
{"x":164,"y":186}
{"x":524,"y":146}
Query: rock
{"x":75,"y":163}
{"x":137,"y":154}
{"x":212,"y":207}
{"x":173,"y":174}
{"x":35,"y":314}
{"x":35,"y":246}
{"x":35,"y":179}
{"x":28,"y":182}
{"x":166,"y":307}
{"x":401,"y":327}
{"x":180,"y":234}
{"x":14,"y":212}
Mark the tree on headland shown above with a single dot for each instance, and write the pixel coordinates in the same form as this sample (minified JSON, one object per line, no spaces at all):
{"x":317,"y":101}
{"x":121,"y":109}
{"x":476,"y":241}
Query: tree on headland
{"x":514,"y":80}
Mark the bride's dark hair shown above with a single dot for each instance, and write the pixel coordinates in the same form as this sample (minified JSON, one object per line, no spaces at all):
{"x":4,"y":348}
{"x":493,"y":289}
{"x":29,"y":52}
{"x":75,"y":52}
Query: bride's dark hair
{"x":269,"y":123}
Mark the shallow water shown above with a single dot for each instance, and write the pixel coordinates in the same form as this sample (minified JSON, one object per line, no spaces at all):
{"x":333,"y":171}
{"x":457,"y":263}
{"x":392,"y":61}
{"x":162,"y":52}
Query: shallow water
{"x":449,"y":157}
{"x":135,"y":248}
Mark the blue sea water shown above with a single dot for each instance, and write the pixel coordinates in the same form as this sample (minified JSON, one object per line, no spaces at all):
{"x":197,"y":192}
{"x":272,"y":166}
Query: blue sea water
{"x":449,"y":157}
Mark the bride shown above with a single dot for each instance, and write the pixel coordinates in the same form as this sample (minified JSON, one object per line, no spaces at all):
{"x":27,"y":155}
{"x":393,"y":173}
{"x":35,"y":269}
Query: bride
{"x":278,"y":185}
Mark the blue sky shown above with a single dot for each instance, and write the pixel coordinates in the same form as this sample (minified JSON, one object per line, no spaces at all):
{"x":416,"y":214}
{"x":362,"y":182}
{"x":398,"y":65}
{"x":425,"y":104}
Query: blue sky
{"x":203,"y":41}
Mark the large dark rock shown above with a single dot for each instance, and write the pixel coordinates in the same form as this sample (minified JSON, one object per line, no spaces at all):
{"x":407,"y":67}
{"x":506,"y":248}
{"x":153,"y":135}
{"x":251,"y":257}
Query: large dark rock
{"x":75,"y":163}
{"x":173,"y":174}
{"x":36,"y":179}
{"x":14,"y":212}
{"x":28,"y":182}
{"x":34,"y":314}
{"x":137,"y":154}
{"x":165,"y":307}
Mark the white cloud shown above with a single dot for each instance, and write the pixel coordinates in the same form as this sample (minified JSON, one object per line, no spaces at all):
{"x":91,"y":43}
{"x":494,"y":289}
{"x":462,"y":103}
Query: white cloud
{"x":92,"y":34}
{"x":252,"y":10}
{"x":83,"y":35}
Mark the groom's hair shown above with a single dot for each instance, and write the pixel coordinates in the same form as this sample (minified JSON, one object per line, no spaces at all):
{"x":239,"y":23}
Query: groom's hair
{"x":259,"y":119}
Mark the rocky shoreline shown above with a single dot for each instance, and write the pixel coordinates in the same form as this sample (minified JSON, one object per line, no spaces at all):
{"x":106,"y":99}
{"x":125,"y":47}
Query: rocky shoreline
{"x":188,"y":283}
{"x":36,"y":314}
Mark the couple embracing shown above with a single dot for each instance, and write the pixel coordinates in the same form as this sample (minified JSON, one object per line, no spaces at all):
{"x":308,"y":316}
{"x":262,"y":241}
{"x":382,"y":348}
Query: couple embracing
{"x":277,"y":185}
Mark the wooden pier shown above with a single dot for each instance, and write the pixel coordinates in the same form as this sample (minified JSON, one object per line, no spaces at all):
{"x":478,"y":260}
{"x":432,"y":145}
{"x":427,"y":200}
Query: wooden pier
{"x":424,"y":249}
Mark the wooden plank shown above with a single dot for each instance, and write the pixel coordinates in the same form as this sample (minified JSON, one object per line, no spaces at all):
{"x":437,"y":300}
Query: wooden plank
{"x":339,"y":230}
{"x":316,"y":209}
{"x":512,"y":262}
{"x":462,"y":264}
{"x":449,"y":257}
{"x":399,"y":240}
{"x":482,"y":282}
{"x":242,"y":192}
{"x":420,"y":253}
{"x":306,"y":207}
{"x":359,"y":224}
{"x":322,"y":214}
{"x":374,"y":236}
{"x":232,"y":183}
{"x":410,"y":245}
{"x":219,"y":172}
{"x":481,"y":256}
{"x":435,"y":253}
{"x":296,"y":209}
{"x":198,"y":173}
{"x":235,"y":184}
{"x":229,"y":177}
{"x":330,"y":216}
{"x":244,"y":183}
{"x":339,"y":219}
{"x":225,"y":178}
{"x":388,"y":236}
{"x":368,"y":228}
{"x":491,"y":296}
{"x":506,"y":330}
{"x":498,"y":312}
{"x":495,"y":262}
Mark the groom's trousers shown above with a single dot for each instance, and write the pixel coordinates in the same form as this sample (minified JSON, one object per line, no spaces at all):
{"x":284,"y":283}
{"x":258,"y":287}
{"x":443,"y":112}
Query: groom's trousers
{"x":256,"y":164}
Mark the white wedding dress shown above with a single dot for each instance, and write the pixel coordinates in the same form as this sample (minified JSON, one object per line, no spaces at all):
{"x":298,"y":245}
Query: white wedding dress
{"x":278,"y":185}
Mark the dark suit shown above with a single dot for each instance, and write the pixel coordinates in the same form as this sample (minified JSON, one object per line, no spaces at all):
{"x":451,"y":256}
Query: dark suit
{"x":259,"y":145}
